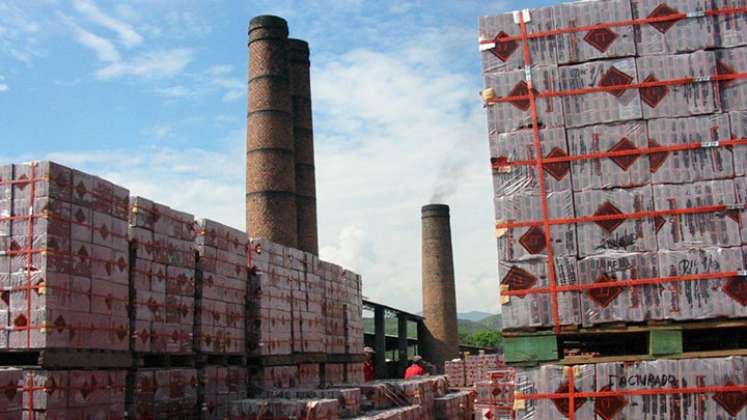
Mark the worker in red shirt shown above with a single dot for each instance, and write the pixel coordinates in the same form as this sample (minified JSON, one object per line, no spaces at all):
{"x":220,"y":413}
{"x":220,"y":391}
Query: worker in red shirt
{"x":369,"y":372}
{"x":416,"y":368}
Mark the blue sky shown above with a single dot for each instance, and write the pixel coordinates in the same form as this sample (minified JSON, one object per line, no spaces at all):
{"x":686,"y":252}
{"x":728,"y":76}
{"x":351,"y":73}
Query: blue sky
{"x":152,"y":95}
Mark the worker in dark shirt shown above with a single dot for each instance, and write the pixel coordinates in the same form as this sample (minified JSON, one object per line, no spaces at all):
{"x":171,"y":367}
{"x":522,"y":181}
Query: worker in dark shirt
{"x":369,"y":371}
{"x":416,"y":368}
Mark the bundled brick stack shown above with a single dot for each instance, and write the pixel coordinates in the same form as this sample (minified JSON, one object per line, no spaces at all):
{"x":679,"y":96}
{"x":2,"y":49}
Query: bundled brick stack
{"x":163,"y":277}
{"x":248,"y":409}
{"x":221,"y":385}
{"x":613,"y":174}
{"x":349,"y":399}
{"x":666,"y":376}
{"x":454,"y":371}
{"x":63,"y":259}
{"x":164,"y":393}
{"x":74,"y":394}
{"x":12,"y":382}
{"x":221,"y":288}
{"x":478,"y":367}
{"x":454,"y":406}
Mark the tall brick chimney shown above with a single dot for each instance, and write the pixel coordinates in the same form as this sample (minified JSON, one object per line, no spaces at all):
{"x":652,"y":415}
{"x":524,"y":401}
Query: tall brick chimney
{"x":270,"y":161}
{"x":303,"y":136}
{"x":441,"y":341}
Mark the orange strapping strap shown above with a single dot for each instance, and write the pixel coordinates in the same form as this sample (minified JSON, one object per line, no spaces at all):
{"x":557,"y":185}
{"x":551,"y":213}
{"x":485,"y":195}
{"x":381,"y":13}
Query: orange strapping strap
{"x":628,"y":22}
{"x":500,"y":165}
{"x":541,"y":176}
{"x":622,"y":283}
{"x":622,"y":216}
{"x":598,"y":89}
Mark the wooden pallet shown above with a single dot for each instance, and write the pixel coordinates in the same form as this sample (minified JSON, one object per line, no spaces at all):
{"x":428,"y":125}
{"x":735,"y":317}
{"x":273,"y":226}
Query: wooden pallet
{"x":614,"y":343}
{"x":164,"y":360}
{"x":221,"y":359}
{"x":300,"y":358}
{"x":57,"y":358}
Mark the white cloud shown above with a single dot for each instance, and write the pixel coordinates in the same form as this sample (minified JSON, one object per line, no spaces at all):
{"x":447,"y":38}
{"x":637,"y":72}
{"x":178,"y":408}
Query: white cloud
{"x":175,"y":92}
{"x":219,"y":70}
{"x":127,"y":35}
{"x":18,"y":32}
{"x":102,"y":47}
{"x":4,"y":87}
{"x":149,"y":65}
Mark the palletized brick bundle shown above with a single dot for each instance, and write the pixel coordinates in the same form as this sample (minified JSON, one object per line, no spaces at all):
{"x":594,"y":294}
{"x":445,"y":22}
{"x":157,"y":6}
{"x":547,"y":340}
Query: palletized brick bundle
{"x":221,"y":314}
{"x":12,"y":384}
{"x":455,"y":406}
{"x":603,"y":183}
{"x":164,"y":393}
{"x":269,"y":320}
{"x":74,"y":394}
{"x":659,"y":375}
{"x":248,"y":409}
{"x":349,"y":399}
{"x":222,"y":385}
{"x":163,"y":277}
{"x":455,"y":372}
{"x":63,"y":259}
{"x":300,"y":304}
{"x":354,"y":373}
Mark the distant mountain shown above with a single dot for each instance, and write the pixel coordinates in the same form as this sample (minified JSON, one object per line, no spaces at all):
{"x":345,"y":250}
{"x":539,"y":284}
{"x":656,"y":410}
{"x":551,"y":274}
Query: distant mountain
{"x":494,"y":322}
{"x":488,"y":323}
{"x":469,"y":316}
{"x":474,"y":315}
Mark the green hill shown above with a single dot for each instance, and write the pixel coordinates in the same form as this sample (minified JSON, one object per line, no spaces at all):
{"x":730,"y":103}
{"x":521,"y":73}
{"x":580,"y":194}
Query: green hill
{"x":466,"y":327}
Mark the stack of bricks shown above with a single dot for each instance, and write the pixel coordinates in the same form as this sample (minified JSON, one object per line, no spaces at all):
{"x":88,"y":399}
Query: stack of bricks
{"x":163,"y":277}
{"x":349,"y":399}
{"x":74,"y":394}
{"x":618,"y":382}
{"x":477,"y":367}
{"x":319,"y":409}
{"x":63,"y":269}
{"x":455,"y":406}
{"x":63,"y":259}
{"x":221,"y":288}
{"x":160,"y":393}
{"x":221,"y":385}
{"x":302,"y":306}
{"x":611,"y":178}
{"x":455,"y":373}
{"x":270,"y":292}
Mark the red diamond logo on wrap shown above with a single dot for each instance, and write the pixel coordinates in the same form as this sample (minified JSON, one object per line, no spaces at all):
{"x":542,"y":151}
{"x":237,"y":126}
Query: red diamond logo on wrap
{"x":81,"y":189}
{"x":624,"y":162}
{"x":563,"y":404}
{"x":533,"y":240}
{"x":22,"y":185}
{"x":104,"y":231}
{"x":615,"y":77}
{"x":519,"y":279}
{"x":608,"y":209}
{"x":656,"y":159}
{"x":600,"y":38}
{"x":59,"y":324}
{"x":20,"y":321}
{"x":605,"y":295}
{"x":80,"y":216}
{"x":652,"y":95}
{"x":723,"y":68}
{"x":661,"y":11}
{"x":86,"y":390}
{"x":608,"y":407}
{"x":731,"y":401}
{"x":557,"y":170}
{"x":503,"y":49}
{"x":108,"y":301}
{"x":488,"y":415}
{"x":736,"y":288}
{"x":11,"y":390}
{"x":121,"y":332}
{"x":734,"y":215}
{"x":521,"y":89}
{"x":659,"y":223}
{"x":121,"y":264}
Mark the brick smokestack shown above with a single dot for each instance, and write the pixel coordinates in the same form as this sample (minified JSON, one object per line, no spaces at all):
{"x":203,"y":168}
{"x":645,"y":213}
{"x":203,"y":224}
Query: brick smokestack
{"x":303,"y":136}
{"x":270,"y":162}
{"x":441,"y":342}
